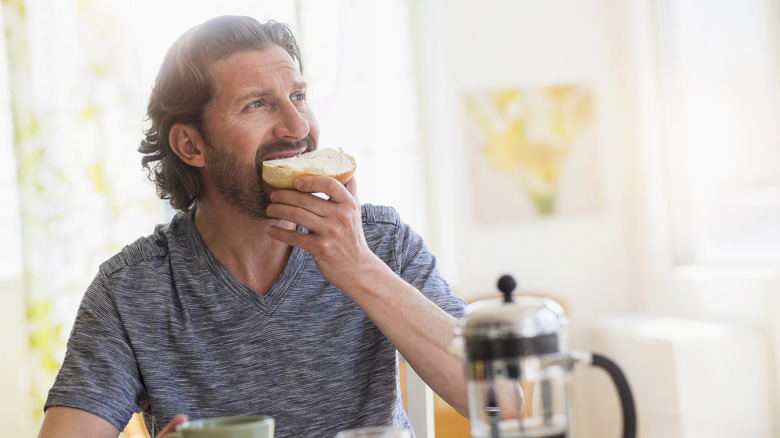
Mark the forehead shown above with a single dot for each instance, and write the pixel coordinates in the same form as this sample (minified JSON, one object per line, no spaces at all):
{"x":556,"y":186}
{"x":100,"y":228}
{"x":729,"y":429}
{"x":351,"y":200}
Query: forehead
{"x":253,"y":68}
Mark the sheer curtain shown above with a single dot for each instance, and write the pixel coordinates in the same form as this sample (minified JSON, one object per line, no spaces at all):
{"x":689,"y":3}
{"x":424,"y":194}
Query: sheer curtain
{"x":79,"y":74}
{"x":76,"y":104}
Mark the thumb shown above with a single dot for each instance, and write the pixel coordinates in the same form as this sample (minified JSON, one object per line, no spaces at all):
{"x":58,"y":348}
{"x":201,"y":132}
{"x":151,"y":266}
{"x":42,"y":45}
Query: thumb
{"x":351,"y":186}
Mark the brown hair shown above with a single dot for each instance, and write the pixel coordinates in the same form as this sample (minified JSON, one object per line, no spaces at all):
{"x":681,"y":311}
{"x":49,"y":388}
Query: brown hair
{"x":183,"y":88}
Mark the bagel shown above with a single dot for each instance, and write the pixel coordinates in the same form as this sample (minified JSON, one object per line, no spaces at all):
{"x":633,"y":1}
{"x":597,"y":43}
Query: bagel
{"x":281,"y":173}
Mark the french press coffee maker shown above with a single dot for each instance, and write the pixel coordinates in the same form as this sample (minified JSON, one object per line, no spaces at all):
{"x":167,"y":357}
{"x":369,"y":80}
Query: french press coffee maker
{"x":518,"y":368}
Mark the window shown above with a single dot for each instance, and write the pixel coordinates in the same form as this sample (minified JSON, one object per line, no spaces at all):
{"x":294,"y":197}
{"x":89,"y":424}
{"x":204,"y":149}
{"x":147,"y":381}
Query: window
{"x":719,"y":103}
{"x":358,"y":57}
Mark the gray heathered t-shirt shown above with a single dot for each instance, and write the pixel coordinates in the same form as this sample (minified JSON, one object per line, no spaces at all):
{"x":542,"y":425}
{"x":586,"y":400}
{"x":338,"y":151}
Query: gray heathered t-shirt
{"x":165,"y":329}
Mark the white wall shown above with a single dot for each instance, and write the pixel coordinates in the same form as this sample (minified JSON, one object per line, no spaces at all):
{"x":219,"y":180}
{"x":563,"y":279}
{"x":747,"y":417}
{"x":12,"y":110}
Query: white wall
{"x":584,"y":259}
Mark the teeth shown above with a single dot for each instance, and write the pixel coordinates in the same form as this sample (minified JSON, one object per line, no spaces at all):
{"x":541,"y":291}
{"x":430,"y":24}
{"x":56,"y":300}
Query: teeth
{"x":282,"y":157}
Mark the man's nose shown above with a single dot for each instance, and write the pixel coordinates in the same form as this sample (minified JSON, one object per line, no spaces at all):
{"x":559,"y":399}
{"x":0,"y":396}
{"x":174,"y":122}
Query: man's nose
{"x":291,"y":123}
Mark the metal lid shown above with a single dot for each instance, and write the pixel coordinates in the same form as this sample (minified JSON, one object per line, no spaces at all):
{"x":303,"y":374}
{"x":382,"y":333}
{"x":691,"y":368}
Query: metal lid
{"x":512,"y":326}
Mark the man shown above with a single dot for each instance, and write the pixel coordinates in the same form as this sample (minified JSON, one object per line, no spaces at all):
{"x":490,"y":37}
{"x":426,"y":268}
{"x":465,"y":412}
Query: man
{"x":252,"y":300}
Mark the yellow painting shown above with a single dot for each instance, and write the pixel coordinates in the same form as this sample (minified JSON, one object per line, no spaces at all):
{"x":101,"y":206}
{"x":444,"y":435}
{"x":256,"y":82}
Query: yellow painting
{"x":532,"y":152}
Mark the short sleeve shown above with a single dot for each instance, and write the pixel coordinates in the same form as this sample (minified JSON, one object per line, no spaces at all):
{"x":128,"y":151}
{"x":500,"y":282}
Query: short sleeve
{"x":99,"y":373}
{"x":418,"y":266}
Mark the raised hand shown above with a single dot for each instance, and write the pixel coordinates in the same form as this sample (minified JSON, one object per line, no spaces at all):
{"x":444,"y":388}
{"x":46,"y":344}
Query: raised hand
{"x":335,"y":231}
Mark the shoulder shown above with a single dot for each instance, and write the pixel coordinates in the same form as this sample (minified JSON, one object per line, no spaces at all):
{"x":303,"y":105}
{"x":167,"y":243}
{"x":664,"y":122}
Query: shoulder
{"x":392,"y":239}
{"x":382,"y":224}
{"x":380,"y":214}
{"x":148,"y":248}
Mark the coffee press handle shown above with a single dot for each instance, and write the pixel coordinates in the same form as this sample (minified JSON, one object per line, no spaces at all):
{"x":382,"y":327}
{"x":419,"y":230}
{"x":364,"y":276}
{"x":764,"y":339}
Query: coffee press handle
{"x":624,"y":392}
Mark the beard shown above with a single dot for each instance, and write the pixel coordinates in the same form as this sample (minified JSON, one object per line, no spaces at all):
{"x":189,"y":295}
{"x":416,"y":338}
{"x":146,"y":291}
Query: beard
{"x":241,"y":183}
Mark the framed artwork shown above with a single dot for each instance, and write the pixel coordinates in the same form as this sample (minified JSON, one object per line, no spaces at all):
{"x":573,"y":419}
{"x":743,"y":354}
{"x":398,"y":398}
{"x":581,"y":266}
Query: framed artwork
{"x":532,"y":152}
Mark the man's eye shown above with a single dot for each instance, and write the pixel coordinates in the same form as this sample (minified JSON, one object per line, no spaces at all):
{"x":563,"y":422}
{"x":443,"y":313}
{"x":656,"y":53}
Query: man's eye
{"x":299,"y":97}
{"x":257,"y":104}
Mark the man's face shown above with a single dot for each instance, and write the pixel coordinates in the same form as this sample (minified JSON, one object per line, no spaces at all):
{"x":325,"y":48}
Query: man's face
{"x":258,"y":112}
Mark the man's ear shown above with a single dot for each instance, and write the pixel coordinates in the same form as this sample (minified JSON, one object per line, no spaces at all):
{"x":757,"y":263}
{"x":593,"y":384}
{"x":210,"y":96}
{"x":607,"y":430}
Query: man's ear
{"x":187,"y":143}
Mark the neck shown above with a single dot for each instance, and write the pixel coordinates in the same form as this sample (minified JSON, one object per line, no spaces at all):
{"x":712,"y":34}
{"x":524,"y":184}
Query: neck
{"x":241,"y":245}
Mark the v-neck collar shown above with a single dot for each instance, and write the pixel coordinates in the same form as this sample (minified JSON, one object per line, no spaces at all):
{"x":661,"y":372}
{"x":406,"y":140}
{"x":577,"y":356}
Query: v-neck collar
{"x":265,"y":303}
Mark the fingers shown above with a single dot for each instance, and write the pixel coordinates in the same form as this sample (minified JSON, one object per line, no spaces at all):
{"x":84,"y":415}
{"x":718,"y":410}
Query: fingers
{"x":338,"y":217}
{"x":320,"y":217}
{"x":299,"y":207}
{"x":334,"y":227}
{"x":336,"y":191}
{"x":171,"y":427}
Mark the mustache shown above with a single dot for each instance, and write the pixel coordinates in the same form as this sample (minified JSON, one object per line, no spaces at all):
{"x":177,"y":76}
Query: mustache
{"x":281,"y":146}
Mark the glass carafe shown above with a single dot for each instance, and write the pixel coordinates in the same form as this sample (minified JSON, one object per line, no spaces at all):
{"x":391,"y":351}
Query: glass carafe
{"x":519,"y":367}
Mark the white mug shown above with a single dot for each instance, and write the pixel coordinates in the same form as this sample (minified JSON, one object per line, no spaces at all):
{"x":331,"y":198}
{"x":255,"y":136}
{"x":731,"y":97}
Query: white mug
{"x":241,"y":426}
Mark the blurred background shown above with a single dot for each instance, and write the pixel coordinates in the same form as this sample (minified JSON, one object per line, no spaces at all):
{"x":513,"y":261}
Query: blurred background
{"x":621,"y":156}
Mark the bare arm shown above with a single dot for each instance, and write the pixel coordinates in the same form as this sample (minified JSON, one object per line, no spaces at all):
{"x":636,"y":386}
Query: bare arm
{"x":418,"y":328}
{"x":65,"y":422}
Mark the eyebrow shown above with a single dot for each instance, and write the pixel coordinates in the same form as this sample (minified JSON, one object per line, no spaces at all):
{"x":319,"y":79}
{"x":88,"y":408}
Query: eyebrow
{"x":260,"y":94}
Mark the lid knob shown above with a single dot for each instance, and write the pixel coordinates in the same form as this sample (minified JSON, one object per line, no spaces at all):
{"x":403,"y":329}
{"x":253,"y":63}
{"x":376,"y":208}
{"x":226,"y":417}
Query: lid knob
{"x":507,"y":284}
